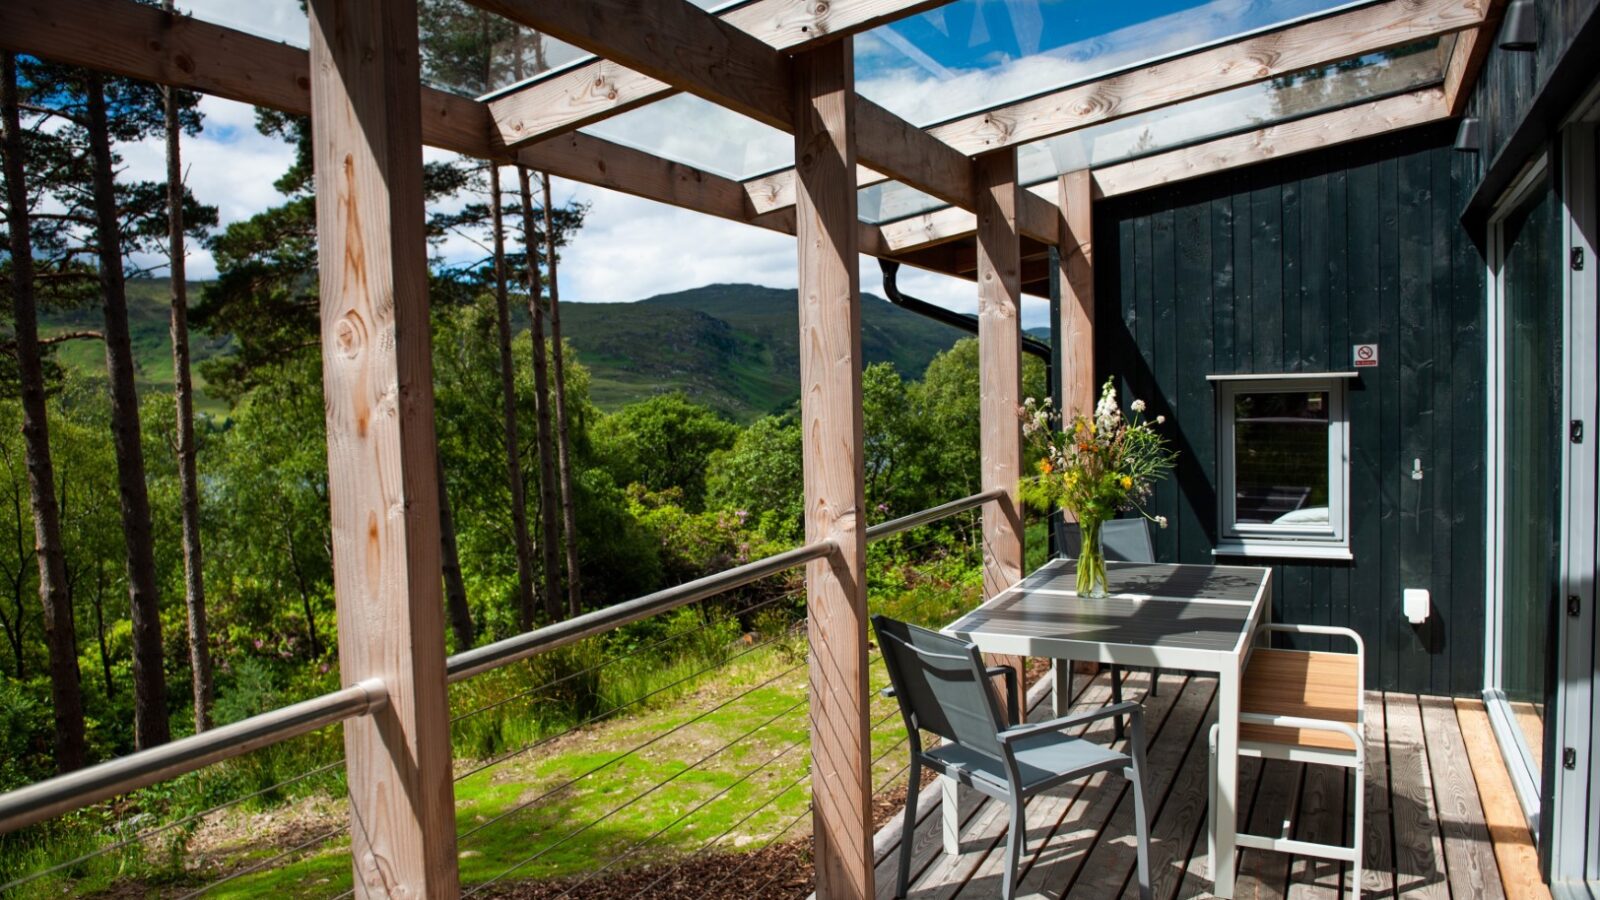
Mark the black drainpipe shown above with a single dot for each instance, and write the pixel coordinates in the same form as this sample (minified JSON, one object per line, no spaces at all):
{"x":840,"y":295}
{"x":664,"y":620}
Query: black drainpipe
{"x":1030,"y":345}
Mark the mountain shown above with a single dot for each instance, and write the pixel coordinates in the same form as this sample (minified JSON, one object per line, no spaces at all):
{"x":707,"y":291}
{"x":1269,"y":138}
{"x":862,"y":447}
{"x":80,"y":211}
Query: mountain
{"x":733,"y":347}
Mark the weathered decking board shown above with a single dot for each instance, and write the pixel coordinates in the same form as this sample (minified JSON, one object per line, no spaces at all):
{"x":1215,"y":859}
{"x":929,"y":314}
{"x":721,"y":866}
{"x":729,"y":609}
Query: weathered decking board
{"x":1422,"y":808}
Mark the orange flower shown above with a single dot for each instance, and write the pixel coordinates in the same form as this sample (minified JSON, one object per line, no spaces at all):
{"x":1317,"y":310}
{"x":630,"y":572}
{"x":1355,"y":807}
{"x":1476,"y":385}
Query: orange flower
{"x":1045,"y":467}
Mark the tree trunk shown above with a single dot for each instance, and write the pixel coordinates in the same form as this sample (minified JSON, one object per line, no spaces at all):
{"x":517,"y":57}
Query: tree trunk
{"x":455,"y":589}
{"x":563,"y":433}
{"x":194,"y":587}
{"x":61,"y":636}
{"x":150,"y":723}
{"x":100,"y":631}
{"x":541,"y":410}
{"x":508,"y":403}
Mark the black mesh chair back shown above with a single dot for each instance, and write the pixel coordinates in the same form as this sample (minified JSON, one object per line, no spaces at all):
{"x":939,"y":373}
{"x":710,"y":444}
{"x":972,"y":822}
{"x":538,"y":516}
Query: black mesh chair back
{"x":1124,"y":540}
{"x":941,"y":684}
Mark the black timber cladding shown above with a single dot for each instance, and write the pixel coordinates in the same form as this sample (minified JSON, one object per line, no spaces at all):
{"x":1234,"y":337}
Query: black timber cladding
{"x":1282,"y":267}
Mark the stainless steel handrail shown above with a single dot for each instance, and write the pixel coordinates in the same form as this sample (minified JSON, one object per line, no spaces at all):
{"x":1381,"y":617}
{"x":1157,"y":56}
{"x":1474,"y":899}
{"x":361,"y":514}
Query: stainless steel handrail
{"x":75,"y":790}
{"x":542,"y":640}
{"x":933,"y":514}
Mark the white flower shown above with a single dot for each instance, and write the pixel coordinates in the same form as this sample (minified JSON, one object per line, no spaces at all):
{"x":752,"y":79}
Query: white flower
{"x":1138,"y":406}
{"x":1161,"y":420}
{"x":1162,"y":521}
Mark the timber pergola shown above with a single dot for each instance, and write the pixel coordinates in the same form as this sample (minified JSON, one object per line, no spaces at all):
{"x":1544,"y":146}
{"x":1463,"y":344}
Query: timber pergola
{"x":788,"y":64}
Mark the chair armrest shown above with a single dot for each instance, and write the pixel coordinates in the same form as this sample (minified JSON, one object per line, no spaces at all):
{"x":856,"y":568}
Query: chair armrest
{"x":1023,"y":732}
{"x":1012,"y":697}
{"x":1330,"y":630}
{"x":1305,"y":724}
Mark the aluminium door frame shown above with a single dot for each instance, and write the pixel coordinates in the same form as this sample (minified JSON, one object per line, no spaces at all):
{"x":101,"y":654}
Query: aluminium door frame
{"x":1525,"y":779}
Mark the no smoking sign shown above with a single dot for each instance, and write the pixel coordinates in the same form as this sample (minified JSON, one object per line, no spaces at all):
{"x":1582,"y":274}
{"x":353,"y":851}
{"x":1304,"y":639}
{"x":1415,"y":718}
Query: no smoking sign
{"x":1365,"y":355}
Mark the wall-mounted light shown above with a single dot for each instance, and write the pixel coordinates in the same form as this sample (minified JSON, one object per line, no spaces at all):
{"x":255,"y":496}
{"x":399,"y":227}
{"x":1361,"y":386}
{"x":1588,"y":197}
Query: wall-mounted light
{"x":1467,"y":135}
{"x":1520,"y":31}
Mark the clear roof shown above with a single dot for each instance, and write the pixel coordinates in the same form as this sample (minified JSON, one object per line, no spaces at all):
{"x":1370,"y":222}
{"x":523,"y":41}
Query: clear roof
{"x":687,"y":129}
{"x":1308,"y":92}
{"x":948,"y":62}
{"x":972,"y":55}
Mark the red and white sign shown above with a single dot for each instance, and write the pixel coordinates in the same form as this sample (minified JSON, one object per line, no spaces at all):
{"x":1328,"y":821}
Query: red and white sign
{"x":1365,"y":355}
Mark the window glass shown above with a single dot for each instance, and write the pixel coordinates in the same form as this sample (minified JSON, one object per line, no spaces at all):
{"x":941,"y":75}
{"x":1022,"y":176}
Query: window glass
{"x":1281,"y":458}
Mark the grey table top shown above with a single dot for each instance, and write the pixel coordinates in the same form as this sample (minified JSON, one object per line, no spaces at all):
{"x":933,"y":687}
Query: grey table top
{"x":1206,"y":608}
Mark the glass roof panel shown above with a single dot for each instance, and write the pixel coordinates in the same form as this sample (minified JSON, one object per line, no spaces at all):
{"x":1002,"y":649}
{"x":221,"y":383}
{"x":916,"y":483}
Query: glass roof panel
{"x":473,"y":52}
{"x":552,"y":55}
{"x":1355,"y":80}
{"x":278,"y":20}
{"x":1294,"y":96}
{"x":972,"y":55}
{"x":699,"y":133}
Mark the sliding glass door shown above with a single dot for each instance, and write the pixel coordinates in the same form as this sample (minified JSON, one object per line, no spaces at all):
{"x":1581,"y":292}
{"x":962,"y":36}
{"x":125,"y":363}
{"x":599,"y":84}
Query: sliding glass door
{"x":1529,"y":286}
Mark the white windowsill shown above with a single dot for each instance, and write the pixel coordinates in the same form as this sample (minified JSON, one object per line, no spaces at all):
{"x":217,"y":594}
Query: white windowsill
{"x":1283,"y":550}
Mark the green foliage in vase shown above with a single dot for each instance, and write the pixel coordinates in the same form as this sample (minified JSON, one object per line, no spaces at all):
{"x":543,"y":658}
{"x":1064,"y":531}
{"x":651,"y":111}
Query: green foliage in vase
{"x":1098,"y":465}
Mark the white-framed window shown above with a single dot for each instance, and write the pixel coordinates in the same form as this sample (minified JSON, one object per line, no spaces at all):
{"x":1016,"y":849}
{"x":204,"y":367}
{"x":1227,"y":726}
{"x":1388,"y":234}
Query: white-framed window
{"x":1283,"y":465}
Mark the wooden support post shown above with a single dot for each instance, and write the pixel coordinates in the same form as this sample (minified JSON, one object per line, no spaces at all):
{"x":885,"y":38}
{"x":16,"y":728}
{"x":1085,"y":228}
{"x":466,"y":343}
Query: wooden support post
{"x":1077,"y":301}
{"x":382,"y":486}
{"x":1076,"y":323}
{"x":1000,"y":372}
{"x":835,"y":492}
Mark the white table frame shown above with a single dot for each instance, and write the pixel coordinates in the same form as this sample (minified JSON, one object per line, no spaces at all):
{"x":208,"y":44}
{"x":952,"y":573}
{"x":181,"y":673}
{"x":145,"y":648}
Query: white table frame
{"x":1227,"y":664}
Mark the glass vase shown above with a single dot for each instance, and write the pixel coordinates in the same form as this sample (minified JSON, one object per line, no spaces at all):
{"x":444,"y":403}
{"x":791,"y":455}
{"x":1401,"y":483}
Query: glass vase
{"x":1091,"y":561}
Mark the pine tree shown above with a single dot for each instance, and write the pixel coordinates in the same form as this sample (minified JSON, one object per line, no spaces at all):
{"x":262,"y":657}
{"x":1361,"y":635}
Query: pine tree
{"x":60,"y":630}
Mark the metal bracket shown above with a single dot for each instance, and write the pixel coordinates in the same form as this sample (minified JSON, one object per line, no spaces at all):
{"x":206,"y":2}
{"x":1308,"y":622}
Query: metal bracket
{"x":1574,"y":606}
{"x":1569,"y":758}
{"x":1577,"y":259}
{"x":1575,"y":431}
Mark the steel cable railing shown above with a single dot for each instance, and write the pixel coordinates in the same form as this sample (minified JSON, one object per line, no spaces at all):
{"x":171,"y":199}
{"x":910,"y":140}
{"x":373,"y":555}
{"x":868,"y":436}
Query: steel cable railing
{"x":631,"y":751}
{"x":120,"y":776}
{"x":159,"y":830}
{"x":638,"y":797}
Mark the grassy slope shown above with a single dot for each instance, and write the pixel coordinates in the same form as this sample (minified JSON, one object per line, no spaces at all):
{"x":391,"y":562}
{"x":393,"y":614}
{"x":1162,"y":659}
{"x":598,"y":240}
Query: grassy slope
{"x":148,"y":323}
{"x":734,"y":347}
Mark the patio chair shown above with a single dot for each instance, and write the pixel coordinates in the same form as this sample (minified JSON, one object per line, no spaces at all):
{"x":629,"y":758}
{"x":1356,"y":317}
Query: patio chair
{"x":1124,"y":540}
{"x":1303,"y":706}
{"x":943,"y":688}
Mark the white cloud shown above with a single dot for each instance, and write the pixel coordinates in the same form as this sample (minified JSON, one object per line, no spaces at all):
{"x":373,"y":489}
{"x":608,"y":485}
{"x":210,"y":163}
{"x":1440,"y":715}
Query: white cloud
{"x":229,"y":165}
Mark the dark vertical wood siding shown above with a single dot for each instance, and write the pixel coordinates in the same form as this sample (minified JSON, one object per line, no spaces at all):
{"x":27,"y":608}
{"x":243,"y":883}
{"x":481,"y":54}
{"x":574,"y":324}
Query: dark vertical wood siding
{"x":1280,"y":268}
{"x":1509,"y":81}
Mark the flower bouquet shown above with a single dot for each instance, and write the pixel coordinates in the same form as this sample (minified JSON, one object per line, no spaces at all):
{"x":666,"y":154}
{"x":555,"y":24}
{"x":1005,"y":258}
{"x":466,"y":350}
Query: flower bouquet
{"x":1094,"y":468}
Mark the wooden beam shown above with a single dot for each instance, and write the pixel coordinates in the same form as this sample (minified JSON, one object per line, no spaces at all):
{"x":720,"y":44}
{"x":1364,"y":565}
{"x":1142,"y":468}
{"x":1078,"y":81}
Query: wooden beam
{"x":589,"y":92}
{"x":1205,"y":72}
{"x":1077,"y":294}
{"x":692,"y":50}
{"x":1274,"y":142}
{"x":139,"y":41}
{"x":1467,"y":57}
{"x":1000,"y":374}
{"x":675,"y":43}
{"x":834,"y":474}
{"x":382,"y":487}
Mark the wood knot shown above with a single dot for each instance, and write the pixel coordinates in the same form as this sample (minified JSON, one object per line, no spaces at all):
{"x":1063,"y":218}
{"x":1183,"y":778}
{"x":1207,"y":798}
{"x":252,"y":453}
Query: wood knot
{"x":184,"y":62}
{"x":303,"y":82}
{"x":350,"y":334}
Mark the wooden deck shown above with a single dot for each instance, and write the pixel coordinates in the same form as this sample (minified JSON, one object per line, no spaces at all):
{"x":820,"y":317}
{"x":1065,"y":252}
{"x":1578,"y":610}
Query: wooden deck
{"x":1426,"y":835}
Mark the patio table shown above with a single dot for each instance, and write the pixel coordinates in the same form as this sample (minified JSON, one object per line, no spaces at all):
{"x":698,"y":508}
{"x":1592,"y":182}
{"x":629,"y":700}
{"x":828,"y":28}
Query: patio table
{"x":1193,"y":617}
